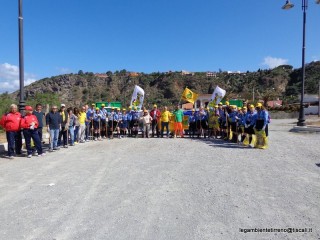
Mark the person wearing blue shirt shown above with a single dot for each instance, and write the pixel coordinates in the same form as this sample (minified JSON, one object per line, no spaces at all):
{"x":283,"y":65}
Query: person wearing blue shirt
{"x":233,"y":116}
{"x":260,"y":123}
{"x":89,"y":122}
{"x":124,"y":123}
{"x":261,"y":119}
{"x":202,"y":122}
{"x":97,"y":124}
{"x":241,"y":123}
{"x":117,"y":118}
{"x":135,"y":122}
{"x":110,"y":123}
{"x":104,"y":114}
{"x":222,"y":121}
{"x":248,"y":122}
{"x":192,"y":124}
{"x":129,"y":119}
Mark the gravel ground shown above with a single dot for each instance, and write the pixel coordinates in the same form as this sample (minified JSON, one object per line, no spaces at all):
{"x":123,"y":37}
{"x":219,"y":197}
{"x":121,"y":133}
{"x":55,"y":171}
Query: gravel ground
{"x":165,"y":189}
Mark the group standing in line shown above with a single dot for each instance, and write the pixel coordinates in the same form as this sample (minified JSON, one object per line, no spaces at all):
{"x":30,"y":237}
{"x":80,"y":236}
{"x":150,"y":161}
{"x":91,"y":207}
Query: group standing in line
{"x":70,"y":126}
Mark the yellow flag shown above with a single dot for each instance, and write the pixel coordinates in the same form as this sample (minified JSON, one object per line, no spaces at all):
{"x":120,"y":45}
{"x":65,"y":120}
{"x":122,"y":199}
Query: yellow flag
{"x":189,"y":96}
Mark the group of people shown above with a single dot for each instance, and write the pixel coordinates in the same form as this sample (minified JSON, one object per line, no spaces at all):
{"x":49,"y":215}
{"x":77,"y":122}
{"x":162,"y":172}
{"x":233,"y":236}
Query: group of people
{"x":229,"y":122}
{"x":70,"y":126}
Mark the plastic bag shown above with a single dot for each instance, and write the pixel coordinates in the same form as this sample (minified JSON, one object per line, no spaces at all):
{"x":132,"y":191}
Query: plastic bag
{"x":261,"y":140}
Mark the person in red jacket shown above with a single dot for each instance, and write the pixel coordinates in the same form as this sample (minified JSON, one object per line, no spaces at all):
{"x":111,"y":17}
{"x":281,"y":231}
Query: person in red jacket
{"x":11,"y":124}
{"x":155,"y":115}
{"x":30,"y":123}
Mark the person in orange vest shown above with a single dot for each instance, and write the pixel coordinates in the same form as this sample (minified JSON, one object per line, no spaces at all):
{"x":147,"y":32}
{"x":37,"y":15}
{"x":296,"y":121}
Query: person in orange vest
{"x":30,"y":124}
{"x":11,"y":123}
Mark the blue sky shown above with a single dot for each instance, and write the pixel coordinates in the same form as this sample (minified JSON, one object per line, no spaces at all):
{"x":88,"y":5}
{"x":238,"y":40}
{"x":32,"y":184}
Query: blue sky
{"x":153,"y":35}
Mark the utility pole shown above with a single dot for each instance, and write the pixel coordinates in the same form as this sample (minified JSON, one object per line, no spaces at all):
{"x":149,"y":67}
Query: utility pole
{"x":319,"y":100}
{"x":253,"y":94}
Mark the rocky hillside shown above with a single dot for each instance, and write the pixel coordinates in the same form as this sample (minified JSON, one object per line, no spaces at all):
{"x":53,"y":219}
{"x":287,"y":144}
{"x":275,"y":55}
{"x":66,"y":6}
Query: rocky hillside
{"x":166,"y":88}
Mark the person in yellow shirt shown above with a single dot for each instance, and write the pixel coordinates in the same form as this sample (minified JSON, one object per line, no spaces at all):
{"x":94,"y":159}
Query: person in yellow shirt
{"x":165,"y":118}
{"x":82,"y":122}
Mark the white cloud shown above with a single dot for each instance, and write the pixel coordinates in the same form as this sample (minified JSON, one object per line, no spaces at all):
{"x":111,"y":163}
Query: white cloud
{"x":9,"y":78}
{"x":272,"y":62}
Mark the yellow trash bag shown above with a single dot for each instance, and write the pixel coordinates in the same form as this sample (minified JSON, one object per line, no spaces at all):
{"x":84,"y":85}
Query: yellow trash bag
{"x":230,"y":135}
{"x":246,"y":141}
{"x":261,"y":140}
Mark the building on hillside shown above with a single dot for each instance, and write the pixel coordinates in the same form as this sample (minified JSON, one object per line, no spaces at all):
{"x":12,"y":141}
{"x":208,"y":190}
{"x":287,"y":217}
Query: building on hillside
{"x":274,"y":103}
{"x":133,"y":74}
{"x":211,"y":74}
{"x":186,"y":73}
{"x":101,"y":75}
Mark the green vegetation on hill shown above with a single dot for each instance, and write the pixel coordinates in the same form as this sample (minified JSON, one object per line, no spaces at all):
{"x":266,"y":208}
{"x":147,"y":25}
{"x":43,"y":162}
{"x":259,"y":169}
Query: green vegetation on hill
{"x":282,"y":82}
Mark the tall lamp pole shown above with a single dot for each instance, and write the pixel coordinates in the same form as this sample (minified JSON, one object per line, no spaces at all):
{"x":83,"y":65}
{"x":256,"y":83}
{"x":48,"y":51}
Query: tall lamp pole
{"x":21,"y":59}
{"x":289,"y":5}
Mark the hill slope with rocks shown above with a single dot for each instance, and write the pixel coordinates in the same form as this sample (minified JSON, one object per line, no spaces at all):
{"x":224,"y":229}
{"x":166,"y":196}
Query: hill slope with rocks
{"x":166,"y":88}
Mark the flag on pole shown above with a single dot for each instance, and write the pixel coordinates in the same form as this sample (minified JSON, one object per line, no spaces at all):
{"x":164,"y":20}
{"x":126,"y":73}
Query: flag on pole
{"x":217,"y":95}
{"x":137,"y":97}
{"x":189,"y":96}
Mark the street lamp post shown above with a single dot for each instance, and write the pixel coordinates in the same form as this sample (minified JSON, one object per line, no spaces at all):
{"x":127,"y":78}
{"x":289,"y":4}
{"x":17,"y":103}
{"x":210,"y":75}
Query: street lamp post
{"x":289,"y":5}
{"x":21,"y":59}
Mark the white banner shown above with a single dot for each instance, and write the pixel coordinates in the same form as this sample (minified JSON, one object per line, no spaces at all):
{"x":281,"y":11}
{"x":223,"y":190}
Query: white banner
{"x":218,"y":95}
{"x":137,"y":97}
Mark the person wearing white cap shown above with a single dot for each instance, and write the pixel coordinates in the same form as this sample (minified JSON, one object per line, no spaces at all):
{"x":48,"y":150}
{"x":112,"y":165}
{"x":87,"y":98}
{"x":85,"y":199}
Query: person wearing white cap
{"x":64,"y":128}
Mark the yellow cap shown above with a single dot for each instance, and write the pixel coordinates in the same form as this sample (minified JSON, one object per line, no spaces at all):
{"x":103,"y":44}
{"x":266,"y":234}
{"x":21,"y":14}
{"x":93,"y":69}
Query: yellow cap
{"x":103,"y":105}
{"x":234,"y":106}
{"x":112,"y":108}
{"x":123,"y":109}
{"x":251,"y":106}
{"x":244,"y":108}
{"x":135,"y":108}
{"x":154,"y":105}
{"x":193,"y":110}
{"x":259,"y":105}
{"x":227,"y":103}
{"x":130,"y":107}
{"x":97,"y":108}
{"x":216,"y":106}
{"x":93,"y":104}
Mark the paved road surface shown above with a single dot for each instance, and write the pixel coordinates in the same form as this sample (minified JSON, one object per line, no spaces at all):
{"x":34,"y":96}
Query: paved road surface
{"x":164,"y":189}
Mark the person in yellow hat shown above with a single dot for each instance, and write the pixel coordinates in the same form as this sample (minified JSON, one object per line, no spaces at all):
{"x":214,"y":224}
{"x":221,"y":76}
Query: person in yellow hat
{"x":241,"y":123}
{"x":234,"y":118}
{"x":103,"y":119}
{"x":129,"y":114}
{"x":222,"y":121}
{"x":214,"y":125}
{"x":248,"y":125}
{"x":260,"y":125}
{"x":97,"y":124}
{"x":135,"y":122}
{"x":155,"y":115}
{"x":124,"y":123}
{"x":192,"y":119}
{"x":110,"y":126}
